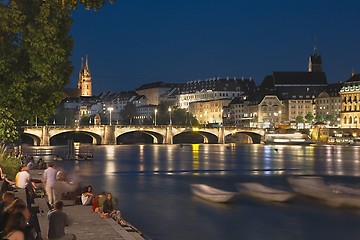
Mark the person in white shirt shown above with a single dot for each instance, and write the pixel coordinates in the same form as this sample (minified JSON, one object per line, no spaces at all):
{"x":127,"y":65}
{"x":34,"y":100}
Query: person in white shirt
{"x":50,"y":182}
{"x":22,"y":179}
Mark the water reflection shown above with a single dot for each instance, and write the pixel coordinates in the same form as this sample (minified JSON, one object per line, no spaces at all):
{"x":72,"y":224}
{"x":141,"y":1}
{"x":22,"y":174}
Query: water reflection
{"x":163,"y":206}
{"x":195,"y":158}
{"x":110,"y":156}
{"x":205,"y":159}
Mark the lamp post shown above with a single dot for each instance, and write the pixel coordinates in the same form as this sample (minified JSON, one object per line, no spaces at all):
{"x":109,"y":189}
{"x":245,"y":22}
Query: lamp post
{"x":170,"y":122}
{"x":110,"y":109}
{"x":155,"y":112}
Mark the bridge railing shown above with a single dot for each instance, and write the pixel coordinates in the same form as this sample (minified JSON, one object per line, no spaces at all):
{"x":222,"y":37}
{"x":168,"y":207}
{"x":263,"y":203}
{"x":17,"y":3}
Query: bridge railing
{"x":134,"y":126}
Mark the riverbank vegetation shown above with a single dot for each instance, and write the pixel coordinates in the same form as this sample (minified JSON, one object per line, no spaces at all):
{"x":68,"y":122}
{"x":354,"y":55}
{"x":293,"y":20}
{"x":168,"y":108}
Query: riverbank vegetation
{"x":35,"y":65}
{"x":9,"y":163}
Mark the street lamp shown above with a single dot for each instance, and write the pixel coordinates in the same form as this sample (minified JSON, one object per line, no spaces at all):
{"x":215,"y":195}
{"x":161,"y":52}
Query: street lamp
{"x":155,"y":112}
{"x":170,"y":122}
{"x":110,"y":109}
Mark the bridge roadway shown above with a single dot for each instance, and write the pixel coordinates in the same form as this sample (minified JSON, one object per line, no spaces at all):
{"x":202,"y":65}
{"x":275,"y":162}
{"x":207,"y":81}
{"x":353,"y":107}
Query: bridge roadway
{"x":108,"y":134}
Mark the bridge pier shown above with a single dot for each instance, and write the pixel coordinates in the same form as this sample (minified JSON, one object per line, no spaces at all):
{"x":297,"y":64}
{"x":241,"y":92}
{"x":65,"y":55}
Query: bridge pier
{"x":221,"y":135}
{"x":45,"y":138}
{"x":109,"y":135}
{"x":168,"y":135}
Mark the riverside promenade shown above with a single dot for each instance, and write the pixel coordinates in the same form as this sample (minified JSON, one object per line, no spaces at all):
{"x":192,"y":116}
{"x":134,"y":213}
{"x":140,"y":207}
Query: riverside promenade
{"x":87,"y":225}
{"x":84,"y":223}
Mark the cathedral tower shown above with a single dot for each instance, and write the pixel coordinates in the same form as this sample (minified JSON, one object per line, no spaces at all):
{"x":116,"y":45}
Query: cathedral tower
{"x":85,"y":82}
{"x":315,"y":62}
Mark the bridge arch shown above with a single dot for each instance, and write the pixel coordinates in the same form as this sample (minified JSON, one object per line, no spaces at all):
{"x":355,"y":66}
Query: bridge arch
{"x":243,"y":137}
{"x":96,"y":139}
{"x":36,"y":139}
{"x":207,"y":137}
{"x":156,"y":137}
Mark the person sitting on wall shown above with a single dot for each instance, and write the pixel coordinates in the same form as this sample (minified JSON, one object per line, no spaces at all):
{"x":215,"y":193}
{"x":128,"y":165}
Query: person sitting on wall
{"x":109,"y":209}
{"x":22,"y":179}
{"x":58,"y":220}
{"x":87,"y":196}
{"x":9,"y":185}
{"x":98,"y":202}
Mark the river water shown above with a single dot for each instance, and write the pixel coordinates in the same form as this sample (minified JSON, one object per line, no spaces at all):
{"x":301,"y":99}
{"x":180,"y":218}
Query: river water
{"x":152,"y":184}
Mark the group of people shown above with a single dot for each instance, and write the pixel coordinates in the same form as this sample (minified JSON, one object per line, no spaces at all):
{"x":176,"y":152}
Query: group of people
{"x":103,"y":203}
{"x":17,"y":222}
{"x":15,"y":217}
{"x":32,"y":164}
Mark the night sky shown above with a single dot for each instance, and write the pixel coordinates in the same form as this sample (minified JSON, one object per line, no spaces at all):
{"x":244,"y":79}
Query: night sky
{"x":133,"y":42}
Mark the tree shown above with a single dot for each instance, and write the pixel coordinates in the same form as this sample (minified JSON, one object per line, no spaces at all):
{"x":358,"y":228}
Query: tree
{"x":299,"y":119}
{"x":9,"y":132}
{"x":330,"y":118}
{"x":89,"y":4}
{"x":163,"y":115}
{"x":309,"y":117}
{"x":181,"y":117}
{"x":319,"y":118}
{"x":128,"y":113}
{"x":35,"y":48}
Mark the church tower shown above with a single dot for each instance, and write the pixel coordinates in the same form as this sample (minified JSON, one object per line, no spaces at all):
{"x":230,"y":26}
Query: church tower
{"x":85,"y":82}
{"x":315,"y":62}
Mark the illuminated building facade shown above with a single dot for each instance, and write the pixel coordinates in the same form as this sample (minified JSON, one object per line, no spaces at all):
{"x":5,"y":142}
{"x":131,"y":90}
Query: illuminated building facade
{"x":212,"y":89}
{"x":328,"y":104}
{"x":209,"y":111}
{"x":350,"y":102}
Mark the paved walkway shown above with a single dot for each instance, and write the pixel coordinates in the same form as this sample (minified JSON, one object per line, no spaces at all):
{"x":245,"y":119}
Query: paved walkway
{"x":88,"y":225}
{"x":85,"y":224}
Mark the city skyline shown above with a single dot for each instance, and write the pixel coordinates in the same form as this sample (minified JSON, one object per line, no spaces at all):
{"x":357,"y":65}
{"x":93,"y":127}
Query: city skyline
{"x":132,"y":43}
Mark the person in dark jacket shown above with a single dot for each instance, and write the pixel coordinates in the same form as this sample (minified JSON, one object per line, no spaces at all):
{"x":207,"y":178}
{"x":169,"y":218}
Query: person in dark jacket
{"x":109,"y":208}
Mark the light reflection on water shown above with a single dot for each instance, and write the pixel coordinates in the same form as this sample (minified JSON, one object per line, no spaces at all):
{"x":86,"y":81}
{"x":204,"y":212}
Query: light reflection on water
{"x":152,"y":184}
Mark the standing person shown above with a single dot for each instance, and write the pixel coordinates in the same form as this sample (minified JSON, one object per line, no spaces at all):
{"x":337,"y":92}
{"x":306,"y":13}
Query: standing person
{"x":50,"y":182}
{"x":58,"y":220}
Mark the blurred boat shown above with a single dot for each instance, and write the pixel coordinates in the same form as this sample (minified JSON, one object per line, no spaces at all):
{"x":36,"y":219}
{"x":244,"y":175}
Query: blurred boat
{"x":287,"y":138}
{"x":212,"y":194}
{"x":263,"y":192}
{"x":342,"y":189}
{"x":315,"y":187}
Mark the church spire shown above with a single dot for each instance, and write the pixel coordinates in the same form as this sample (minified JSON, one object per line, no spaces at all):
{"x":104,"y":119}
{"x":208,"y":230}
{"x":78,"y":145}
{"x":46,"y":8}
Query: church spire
{"x":87,"y":63}
{"x":315,"y":61}
{"x":82,"y":64}
{"x":85,"y":80}
{"x":315,"y":52}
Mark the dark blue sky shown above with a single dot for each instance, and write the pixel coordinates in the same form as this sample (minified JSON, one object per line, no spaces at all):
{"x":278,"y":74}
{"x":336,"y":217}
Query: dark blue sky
{"x":133,"y":42}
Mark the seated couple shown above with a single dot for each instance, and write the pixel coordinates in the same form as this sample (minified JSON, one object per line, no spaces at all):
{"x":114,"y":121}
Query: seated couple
{"x":105,"y":205}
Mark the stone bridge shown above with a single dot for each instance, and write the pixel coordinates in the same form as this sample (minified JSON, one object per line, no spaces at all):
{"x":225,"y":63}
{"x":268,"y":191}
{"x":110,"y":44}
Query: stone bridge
{"x":108,"y":134}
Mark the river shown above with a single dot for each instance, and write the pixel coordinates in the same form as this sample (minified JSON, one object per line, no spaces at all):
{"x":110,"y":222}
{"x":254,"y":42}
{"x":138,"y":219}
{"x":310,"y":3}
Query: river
{"x":152,"y":183}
